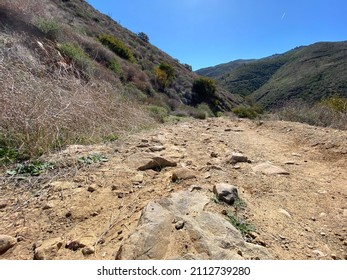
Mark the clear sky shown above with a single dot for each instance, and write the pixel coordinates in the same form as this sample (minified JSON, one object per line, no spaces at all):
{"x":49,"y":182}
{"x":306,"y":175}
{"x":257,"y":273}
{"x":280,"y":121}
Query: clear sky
{"x":204,"y":33}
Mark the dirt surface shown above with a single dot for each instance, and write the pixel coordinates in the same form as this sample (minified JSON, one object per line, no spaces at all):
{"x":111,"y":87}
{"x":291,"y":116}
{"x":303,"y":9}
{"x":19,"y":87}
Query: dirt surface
{"x":89,"y":211}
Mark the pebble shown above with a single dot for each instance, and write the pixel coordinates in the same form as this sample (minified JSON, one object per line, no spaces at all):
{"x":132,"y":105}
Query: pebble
{"x":284,"y":212}
{"x":91,"y":189}
{"x":179,"y":225}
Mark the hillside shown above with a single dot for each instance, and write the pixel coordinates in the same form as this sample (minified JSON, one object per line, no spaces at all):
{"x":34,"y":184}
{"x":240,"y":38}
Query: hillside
{"x":219,"y":70}
{"x":308,"y":73}
{"x":62,"y":61}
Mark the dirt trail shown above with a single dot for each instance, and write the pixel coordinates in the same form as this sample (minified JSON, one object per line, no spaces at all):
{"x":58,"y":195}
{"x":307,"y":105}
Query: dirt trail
{"x":302,"y":215}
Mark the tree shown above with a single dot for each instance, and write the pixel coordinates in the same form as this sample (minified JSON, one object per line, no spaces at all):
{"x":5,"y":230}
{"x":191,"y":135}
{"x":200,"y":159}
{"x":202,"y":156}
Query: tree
{"x":165,"y":73}
{"x":143,"y":36}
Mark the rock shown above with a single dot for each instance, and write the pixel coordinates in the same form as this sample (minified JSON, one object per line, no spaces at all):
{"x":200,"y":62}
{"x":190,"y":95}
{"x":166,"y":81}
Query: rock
{"x":6,"y":242}
{"x":284,"y":212}
{"x":48,"y":249}
{"x":270,"y":169}
{"x":62,"y":185}
{"x":225,"y":192}
{"x":48,"y":205}
{"x":214,"y":155}
{"x":138,"y":179}
{"x":157,"y":148}
{"x":87,"y":241}
{"x":238,"y":157}
{"x":179,"y":225}
{"x":182,"y":174}
{"x":91,"y":189}
{"x":318,"y":253}
{"x":88,"y":251}
{"x":3,"y":204}
{"x":344,"y":213}
{"x":210,"y":235}
{"x":195,"y":188}
{"x":157,"y":163}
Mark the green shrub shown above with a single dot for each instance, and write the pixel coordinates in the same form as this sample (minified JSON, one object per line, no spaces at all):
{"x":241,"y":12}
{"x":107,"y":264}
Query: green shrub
{"x":117,"y":46}
{"x":165,"y":73}
{"x":77,"y":55}
{"x":244,"y":227}
{"x":159,"y":113}
{"x":33,"y":168}
{"x":250,"y":112}
{"x":143,"y":36}
{"x":114,"y":66}
{"x":205,"y":88}
{"x":50,"y":27}
{"x":203,"y":107}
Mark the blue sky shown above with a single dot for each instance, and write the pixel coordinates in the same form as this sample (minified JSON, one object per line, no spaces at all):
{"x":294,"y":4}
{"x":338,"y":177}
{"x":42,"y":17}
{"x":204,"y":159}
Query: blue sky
{"x":204,"y":33}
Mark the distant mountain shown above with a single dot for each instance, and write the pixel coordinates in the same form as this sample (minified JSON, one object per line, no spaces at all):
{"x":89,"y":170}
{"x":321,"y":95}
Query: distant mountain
{"x":308,"y":73}
{"x":216,"y":71}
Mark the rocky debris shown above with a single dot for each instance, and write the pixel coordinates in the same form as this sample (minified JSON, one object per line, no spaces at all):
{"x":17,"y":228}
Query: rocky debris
{"x":3,"y":204}
{"x":182,"y":174}
{"x":284,"y":212}
{"x":6,"y":242}
{"x":157,"y":148}
{"x":91,"y":189}
{"x":226,"y":193}
{"x":48,"y":205}
{"x":318,"y":253}
{"x":214,"y":155}
{"x":62,"y":185}
{"x":48,"y":249}
{"x":179,"y":225}
{"x":268,"y":168}
{"x":211,"y":235}
{"x":238,"y":157}
{"x":138,"y":178}
{"x":86,"y":243}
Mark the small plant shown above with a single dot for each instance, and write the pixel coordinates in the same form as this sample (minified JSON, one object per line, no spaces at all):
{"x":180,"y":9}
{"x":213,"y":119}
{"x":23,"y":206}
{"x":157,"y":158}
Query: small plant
{"x":111,"y":137}
{"x":113,"y":65}
{"x":240,"y":224}
{"x":77,"y":55}
{"x":33,"y":168}
{"x":50,"y":27}
{"x":159,"y":113}
{"x":117,"y":46}
{"x":92,"y":158}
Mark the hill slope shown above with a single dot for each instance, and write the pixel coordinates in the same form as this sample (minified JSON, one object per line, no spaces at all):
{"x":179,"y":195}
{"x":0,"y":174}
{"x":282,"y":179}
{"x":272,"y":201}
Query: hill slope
{"x":309,"y":73}
{"x":62,"y":61}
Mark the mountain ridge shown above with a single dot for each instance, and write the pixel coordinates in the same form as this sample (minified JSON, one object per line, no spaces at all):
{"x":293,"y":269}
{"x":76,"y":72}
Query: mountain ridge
{"x":309,"y":73}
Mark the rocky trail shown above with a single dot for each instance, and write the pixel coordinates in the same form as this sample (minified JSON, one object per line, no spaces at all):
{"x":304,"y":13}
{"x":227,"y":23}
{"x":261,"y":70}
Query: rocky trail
{"x":160,"y":196}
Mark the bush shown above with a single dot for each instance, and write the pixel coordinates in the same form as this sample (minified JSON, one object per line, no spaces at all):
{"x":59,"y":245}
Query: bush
{"x":204,"y":88}
{"x":159,"y":113}
{"x":50,"y":27}
{"x":114,"y":66}
{"x":77,"y":55}
{"x":143,"y":37}
{"x":165,"y":73}
{"x":250,"y":112}
{"x":117,"y":46}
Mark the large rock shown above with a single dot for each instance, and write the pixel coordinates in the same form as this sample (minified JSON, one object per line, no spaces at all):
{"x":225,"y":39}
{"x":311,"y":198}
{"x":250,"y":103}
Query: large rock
{"x":268,"y":168}
{"x":146,"y":161}
{"x":204,"y":235}
{"x":182,"y":174}
{"x":6,"y":242}
{"x":238,"y":157}
{"x":48,"y":249}
{"x":226,"y":193}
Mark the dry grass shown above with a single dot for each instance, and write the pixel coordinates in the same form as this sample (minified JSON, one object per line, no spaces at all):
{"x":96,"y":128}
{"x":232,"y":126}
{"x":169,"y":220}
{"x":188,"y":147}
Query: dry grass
{"x":41,"y":110}
{"x":318,"y":115}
